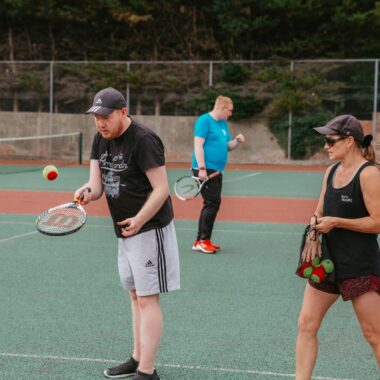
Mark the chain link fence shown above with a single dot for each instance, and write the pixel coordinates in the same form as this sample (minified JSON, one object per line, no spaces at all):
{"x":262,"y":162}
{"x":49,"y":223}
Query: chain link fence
{"x":281,"y":92}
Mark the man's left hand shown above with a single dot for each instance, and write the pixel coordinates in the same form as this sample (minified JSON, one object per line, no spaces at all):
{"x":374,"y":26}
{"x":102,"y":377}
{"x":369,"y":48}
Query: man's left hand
{"x":129,"y":227}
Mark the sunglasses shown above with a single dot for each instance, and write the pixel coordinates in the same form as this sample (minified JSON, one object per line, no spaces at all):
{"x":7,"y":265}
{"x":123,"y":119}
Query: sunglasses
{"x":331,"y":142}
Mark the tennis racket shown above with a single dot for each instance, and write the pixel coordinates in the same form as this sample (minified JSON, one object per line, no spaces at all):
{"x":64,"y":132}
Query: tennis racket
{"x":188,"y":187}
{"x":62,"y":220}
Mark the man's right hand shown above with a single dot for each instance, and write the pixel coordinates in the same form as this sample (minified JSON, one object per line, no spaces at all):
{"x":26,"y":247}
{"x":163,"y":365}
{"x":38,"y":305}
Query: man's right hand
{"x":83,"y":194}
{"x":202,"y":174}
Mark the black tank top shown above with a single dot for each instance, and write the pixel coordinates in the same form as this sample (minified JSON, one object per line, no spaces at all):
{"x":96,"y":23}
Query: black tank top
{"x":354,"y":254}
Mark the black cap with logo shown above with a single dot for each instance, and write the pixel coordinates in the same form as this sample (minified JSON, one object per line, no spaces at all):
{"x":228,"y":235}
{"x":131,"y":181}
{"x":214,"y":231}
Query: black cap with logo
{"x":106,"y":101}
{"x":345,"y":125}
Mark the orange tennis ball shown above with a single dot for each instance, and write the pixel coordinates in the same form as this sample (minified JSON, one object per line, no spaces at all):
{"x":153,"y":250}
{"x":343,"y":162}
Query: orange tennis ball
{"x":50,"y":172}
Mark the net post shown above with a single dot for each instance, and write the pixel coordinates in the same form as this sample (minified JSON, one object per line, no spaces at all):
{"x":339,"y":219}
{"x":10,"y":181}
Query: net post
{"x":80,"y":148}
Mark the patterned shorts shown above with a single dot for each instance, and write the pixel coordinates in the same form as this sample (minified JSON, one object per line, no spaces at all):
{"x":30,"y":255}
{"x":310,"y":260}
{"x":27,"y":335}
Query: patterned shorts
{"x":350,"y":288}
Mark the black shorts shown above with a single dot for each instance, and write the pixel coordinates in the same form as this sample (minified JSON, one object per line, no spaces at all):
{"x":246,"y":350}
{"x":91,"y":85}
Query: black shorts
{"x":350,"y":288}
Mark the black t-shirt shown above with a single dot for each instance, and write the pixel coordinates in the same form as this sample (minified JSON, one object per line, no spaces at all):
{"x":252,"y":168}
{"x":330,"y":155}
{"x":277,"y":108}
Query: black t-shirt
{"x":354,"y":253}
{"x":123,"y":163}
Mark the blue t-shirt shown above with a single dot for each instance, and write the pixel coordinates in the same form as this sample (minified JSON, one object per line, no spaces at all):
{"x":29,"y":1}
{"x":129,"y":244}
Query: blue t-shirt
{"x":216,"y":135}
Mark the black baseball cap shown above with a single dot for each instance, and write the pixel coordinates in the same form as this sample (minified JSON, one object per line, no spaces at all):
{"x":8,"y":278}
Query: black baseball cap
{"x":106,"y":101}
{"x":344,"y":125}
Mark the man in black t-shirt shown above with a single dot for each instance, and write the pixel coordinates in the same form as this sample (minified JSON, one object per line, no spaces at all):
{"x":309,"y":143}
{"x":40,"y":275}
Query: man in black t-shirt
{"x":128,"y":166}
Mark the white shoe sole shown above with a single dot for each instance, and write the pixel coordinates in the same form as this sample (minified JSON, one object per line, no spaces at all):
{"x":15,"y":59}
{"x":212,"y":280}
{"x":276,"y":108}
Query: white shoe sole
{"x":195,"y":248}
{"x":205,"y":251}
{"x":117,"y":376}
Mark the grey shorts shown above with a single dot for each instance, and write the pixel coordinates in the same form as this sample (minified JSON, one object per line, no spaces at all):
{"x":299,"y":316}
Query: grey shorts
{"x":149,"y":262}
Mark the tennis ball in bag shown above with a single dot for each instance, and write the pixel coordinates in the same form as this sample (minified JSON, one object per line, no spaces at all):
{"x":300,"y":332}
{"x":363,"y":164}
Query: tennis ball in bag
{"x":50,"y":172}
{"x":318,"y":274}
{"x":304,"y":270}
{"x":328,"y":265}
{"x":321,"y":271}
{"x":316,"y":261}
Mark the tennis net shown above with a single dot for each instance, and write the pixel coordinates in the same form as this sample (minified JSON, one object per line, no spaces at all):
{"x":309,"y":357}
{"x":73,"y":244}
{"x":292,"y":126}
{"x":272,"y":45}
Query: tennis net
{"x":59,"y":147}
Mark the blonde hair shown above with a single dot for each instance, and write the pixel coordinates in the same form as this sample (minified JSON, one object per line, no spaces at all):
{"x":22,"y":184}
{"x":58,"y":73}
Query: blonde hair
{"x":368,"y":152}
{"x":370,"y":155}
{"x":223,"y":101}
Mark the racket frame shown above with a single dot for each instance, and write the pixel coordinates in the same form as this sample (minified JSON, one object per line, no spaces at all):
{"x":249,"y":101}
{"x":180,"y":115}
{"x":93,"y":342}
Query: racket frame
{"x":197,"y":179}
{"x":74,"y":204}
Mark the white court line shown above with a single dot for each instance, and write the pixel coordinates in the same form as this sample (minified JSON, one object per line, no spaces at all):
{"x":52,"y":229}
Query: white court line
{"x":242,"y":177}
{"x":13,"y":222}
{"x":17,"y":236}
{"x":180,"y":366}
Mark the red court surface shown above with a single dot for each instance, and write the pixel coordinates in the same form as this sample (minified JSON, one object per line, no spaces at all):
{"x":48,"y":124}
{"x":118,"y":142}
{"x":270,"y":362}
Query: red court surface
{"x":240,"y":209}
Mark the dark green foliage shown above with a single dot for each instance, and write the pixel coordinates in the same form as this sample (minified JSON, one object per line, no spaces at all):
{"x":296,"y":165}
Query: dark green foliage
{"x":313,"y":95}
{"x":218,"y":30}
{"x":234,"y":73}
{"x":234,"y":84}
{"x":244,"y":106}
{"x":305,"y":141}
{"x":179,"y":30}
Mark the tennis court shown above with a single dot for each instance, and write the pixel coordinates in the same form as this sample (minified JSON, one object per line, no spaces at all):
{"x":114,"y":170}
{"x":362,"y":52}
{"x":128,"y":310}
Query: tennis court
{"x":64,"y":314}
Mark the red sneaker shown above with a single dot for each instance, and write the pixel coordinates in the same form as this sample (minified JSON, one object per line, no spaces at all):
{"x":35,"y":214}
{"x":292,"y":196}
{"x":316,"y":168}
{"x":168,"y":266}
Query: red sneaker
{"x":195,"y":246}
{"x":217,"y":247}
{"x":205,"y":246}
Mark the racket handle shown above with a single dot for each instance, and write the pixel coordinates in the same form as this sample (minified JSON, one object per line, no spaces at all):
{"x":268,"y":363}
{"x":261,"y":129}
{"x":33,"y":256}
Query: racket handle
{"x":81,"y":196}
{"x":212,"y":175}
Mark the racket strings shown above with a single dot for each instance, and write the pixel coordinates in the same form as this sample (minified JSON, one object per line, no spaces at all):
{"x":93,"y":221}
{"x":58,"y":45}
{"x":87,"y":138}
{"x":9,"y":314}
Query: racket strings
{"x":61,"y":220}
{"x":187,"y":187}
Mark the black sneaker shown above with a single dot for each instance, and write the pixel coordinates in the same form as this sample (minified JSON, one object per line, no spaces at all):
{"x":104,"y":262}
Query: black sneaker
{"x":146,"y":376}
{"x":129,"y":368}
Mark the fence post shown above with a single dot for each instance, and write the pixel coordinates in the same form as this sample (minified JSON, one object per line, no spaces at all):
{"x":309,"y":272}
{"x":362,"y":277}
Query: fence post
{"x":51,"y":103}
{"x":210,"y":75}
{"x":290,"y":121}
{"x":375,"y":90}
{"x":80,"y":148}
{"x":127,"y":89}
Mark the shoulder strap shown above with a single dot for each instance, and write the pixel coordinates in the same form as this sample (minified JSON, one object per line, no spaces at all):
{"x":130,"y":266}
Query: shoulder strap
{"x":332,"y":172}
{"x":368,"y":163}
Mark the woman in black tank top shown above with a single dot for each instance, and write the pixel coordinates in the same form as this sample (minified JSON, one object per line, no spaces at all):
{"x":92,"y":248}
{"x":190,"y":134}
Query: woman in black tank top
{"x":348,"y":217}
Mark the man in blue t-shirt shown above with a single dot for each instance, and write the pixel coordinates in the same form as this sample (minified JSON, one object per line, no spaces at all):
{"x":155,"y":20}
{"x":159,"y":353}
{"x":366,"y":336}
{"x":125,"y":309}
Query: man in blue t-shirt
{"x":212,"y":142}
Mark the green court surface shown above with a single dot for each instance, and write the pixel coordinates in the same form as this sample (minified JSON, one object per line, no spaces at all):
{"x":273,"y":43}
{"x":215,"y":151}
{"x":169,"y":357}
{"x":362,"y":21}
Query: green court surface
{"x":287,"y":184}
{"x":64,"y":314}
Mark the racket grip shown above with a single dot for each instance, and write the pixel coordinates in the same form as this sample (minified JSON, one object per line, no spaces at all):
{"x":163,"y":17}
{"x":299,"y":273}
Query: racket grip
{"x":81,"y":196}
{"x":212,"y":175}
